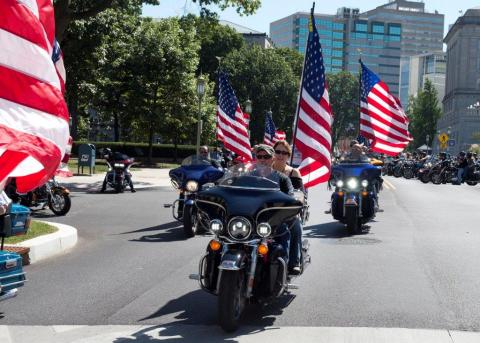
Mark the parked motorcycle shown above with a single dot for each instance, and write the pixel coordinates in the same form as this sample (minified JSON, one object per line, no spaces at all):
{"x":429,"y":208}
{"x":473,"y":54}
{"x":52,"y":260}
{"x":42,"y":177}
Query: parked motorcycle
{"x":355,"y":199}
{"x":472,"y":176}
{"x":191,"y":177}
{"x":51,"y":194}
{"x":244,"y":263}
{"x":118,"y":173}
{"x":443,"y":172}
{"x":425,"y":170}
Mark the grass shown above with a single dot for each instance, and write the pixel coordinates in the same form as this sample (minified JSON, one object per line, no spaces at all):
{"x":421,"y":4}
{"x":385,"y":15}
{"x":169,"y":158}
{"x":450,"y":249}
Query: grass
{"x":36,"y":229}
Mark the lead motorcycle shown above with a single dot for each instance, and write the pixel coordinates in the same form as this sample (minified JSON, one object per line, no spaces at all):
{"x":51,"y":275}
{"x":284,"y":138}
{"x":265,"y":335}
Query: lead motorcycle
{"x":190,"y":178}
{"x":244,"y":263}
{"x":355,"y":199}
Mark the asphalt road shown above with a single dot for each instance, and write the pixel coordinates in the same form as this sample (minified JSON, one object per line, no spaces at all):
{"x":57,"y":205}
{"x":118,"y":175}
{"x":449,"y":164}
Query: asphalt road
{"x":417,"y":266}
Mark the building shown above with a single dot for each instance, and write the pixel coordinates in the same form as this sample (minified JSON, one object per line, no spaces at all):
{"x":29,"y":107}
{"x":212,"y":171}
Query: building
{"x":345,"y":37}
{"x":430,"y":66}
{"x":408,"y":29}
{"x":251,"y":36}
{"x":422,"y":32}
{"x":462,"y":87}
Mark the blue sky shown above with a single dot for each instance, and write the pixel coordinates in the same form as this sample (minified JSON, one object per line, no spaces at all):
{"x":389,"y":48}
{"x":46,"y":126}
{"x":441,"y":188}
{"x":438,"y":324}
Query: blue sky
{"x":272,"y":10}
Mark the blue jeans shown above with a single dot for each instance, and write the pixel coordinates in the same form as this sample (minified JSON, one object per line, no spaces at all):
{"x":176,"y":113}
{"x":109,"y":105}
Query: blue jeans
{"x":295,"y":243}
{"x":460,"y":173}
{"x":283,"y":238}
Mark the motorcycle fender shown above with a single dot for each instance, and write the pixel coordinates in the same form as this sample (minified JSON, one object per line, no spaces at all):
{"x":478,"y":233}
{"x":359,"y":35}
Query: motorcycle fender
{"x":351,"y":201}
{"x":61,"y":190}
{"x":233,"y":260}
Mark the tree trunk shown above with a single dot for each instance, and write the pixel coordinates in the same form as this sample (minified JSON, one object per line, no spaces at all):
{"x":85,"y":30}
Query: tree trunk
{"x":175,"y":148}
{"x":150,"y":143}
{"x":116,"y":127}
{"x":73,"y":108}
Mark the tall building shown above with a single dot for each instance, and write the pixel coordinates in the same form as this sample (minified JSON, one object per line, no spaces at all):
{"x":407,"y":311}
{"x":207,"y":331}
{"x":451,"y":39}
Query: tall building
{"x":345,"y":37}
{"x":463,"y":81}
{"x":422,"y":32}
{"x":387,"y":36}
{"x":431,"y":66}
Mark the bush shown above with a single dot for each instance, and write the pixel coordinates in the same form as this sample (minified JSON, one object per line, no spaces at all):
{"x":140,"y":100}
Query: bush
{"x":140,"y":150}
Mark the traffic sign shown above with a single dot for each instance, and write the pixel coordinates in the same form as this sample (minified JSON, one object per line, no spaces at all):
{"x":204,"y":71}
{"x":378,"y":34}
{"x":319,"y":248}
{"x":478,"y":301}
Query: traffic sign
{"x":451,"y":142}
{"x":443,"y":138}
{"x":443,"y":146}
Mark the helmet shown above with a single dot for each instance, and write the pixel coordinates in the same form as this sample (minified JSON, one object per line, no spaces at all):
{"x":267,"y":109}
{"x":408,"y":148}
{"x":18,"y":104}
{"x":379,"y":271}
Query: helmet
{"x":462,"y":153}
{"x":107,"y":152}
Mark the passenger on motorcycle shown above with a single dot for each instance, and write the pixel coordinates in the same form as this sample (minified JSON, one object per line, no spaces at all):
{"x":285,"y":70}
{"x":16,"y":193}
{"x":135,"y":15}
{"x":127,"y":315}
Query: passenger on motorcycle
{"x":283,"y":151}
{"x":111,"y":158}
{"x":264,"y":154}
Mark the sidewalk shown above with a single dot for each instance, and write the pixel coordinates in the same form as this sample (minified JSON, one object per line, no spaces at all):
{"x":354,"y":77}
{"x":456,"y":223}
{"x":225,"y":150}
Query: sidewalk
{"x":142,"y":178}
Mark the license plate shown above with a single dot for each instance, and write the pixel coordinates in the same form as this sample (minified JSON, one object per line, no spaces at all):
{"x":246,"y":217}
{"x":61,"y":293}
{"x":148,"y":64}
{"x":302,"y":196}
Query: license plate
{"x":10,"y":264}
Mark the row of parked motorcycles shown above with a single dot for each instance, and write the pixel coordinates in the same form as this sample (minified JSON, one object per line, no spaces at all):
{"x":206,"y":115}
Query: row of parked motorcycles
{"x":435,"y":170}
{"x":244,"y":208}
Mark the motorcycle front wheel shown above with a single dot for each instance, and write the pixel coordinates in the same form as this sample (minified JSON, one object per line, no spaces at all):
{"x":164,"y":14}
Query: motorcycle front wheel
{"x":436,"y":178}
{"x":408,"y":173}
{"x":425,"y":178}
{"x":59,"y":203}
{"x":354,"y":226}
{"x":230,"y":300}
{"x":189,"y":224}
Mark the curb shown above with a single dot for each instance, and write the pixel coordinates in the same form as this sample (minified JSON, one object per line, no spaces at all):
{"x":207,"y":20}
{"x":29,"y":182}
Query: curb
{"x":50,"y":245}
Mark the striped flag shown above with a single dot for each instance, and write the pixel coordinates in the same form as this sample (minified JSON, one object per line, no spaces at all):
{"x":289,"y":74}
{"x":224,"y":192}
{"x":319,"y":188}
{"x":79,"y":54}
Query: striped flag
{"x":272,"y":135}
{"x":382,"y":118}
{"x":312,"y":139}
{"x":33,"y":113}
{"x":232,"y":125}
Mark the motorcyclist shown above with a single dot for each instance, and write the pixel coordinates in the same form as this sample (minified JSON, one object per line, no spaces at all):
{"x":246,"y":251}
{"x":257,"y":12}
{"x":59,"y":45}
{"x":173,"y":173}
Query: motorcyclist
{"x":204,"y":155}
{"x":264,"y":155}
{"x":357,"y":152}
{"x":461,"y":165}
{"x":111,"y":158}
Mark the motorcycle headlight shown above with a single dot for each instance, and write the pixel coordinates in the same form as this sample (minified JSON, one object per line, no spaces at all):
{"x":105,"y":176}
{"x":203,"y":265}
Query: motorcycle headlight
{"x":192,"y":186}
{"x":216,"y":226}
{"x":264,"y":229}
{"x":239,"y":228}
{"x":352,"y":183}
{"x":339,"y":183}
{"x":364,"y":183}
{"x":119,"y":165}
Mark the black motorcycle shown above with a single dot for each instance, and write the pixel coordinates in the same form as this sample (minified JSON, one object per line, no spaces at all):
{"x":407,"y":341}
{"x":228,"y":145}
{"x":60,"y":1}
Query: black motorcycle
{"x":244,"y":263}
{"x":472,"y":176}
{"x":118,"y":173}
{"x":51,"y":194}
{"x":444,"y":172}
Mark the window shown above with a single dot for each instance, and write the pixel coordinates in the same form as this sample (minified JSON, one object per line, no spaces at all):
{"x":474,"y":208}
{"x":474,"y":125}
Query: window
{"x":393,"y":38}
{"x":338,"y":35}
{"x":394,"y":30}
{"x":303,"y":21}
{"x":478,"y":55}
{"x":336,"y":62}
{"x":338,"y":26}
{"x":378,"y":28}
{"x":327,"y":52}
{"x":338,"y":44}
{"x":337,"y":53}
{"x":361,"y":27}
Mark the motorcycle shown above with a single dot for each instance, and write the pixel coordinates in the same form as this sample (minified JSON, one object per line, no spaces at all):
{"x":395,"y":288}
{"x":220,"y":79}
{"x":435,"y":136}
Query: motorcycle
{"x":118,"y":169}
{"x":51,"y":194}
{"x":425,"y":170}
{"x":443,"y":172}
{"x":243,"y":263}
{"x":389,"y":166}
{"x":191,"y":177}
{"x":355,"y":199}
{"x":472,"y":176}
{"x":410,"y":169}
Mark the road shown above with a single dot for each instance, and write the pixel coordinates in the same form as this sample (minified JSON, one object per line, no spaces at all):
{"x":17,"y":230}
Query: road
{"x":416,"y":266}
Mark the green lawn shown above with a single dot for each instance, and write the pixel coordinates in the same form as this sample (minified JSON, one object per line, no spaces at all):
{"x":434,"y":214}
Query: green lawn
{"x":36,"y":229}
{"x":101,"y":166}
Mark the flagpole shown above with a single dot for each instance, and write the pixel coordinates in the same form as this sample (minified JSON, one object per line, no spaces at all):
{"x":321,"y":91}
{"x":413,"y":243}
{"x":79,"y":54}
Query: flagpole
{"x":295,"y":122}
{"x":359,"y":89}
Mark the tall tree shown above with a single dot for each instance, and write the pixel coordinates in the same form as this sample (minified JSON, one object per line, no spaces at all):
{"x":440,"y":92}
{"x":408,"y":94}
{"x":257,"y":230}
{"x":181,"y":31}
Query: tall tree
{"x":424,"y":113}
{"x":344,"y":100}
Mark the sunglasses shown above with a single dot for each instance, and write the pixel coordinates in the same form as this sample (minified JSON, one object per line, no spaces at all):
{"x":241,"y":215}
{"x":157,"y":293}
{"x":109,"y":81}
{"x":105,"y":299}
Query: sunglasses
{"x":263,"y":157}
{"x":281,"y":152}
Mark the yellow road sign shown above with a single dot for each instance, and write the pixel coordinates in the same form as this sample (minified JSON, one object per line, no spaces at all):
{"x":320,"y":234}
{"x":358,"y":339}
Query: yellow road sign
{"x":443,"y":146}
{"x":443,"y":138}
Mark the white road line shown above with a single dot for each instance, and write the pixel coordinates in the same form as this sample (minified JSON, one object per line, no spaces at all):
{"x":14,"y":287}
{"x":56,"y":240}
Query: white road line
{"x":385,"y":184}
{"x":391,"y":186}
{"x":5,"y":335}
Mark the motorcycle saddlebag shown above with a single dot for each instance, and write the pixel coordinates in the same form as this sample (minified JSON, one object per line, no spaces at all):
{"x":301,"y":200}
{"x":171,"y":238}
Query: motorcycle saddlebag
{"x":11,"y":272}
{"x":337,"y":206}
{"x":20,"y":216}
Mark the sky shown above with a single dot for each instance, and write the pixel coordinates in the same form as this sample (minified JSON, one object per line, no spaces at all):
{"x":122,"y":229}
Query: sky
{"x":272,"y":10}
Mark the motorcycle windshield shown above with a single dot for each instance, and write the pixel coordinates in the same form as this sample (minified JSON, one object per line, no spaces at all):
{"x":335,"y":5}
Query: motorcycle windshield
{"x":196,"y":160}
{"x":359,"y":170}
{"x":251,"y":176}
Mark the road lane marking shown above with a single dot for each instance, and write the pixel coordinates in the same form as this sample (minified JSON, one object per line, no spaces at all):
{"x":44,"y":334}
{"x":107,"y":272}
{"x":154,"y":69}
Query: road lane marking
{"x":385,"y":185}
{"x":389,"y":184}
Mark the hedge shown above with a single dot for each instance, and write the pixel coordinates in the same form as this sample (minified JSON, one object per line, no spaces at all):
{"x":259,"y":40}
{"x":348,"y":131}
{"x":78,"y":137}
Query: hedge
{"x":140,"y":150}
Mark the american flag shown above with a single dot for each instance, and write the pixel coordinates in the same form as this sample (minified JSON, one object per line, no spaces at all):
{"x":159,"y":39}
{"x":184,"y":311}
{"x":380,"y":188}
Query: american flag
{"x":33,"y":113}
{"x":314,"y":119}
{"x":232,"y":125}
{"x":272,"y":135}
{"x":382,"y":118}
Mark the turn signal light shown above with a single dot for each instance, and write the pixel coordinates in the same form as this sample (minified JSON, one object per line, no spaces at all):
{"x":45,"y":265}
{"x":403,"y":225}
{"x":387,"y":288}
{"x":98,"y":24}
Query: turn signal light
{"x":364,"y":194}
{"x":215,"y":245}
{"x":263,"y":249}
{"x":340,"y":194}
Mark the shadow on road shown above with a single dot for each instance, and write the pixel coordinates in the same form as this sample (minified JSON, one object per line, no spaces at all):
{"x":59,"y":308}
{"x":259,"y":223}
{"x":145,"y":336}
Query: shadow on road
{"x":170,"y":225}
{"x":197,"y":320}
{"x":331,"y":230}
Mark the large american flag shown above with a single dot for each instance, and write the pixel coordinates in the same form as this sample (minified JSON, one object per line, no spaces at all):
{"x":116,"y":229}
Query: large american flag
{"x":314,"y":119}
{"x":232,"y":125}
{"x":272,"y":135}
{"x":33,"y":113}
{"x":382,"y":118}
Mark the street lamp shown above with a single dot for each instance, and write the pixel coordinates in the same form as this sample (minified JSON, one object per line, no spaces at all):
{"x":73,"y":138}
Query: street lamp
{"x":248,"y":106}
{"x":475,"y":106}
{"x":200,"y":93}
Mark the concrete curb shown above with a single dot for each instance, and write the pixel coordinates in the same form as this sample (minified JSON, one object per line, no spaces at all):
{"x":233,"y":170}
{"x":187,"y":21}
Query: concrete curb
{"x":49,"y":245}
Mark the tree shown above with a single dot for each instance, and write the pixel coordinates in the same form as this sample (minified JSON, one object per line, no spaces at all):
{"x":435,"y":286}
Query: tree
{"x":343,"y":89}
{"x":266,"y":78}
{"x":68,"y":11}
{"x":424,"y":114}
